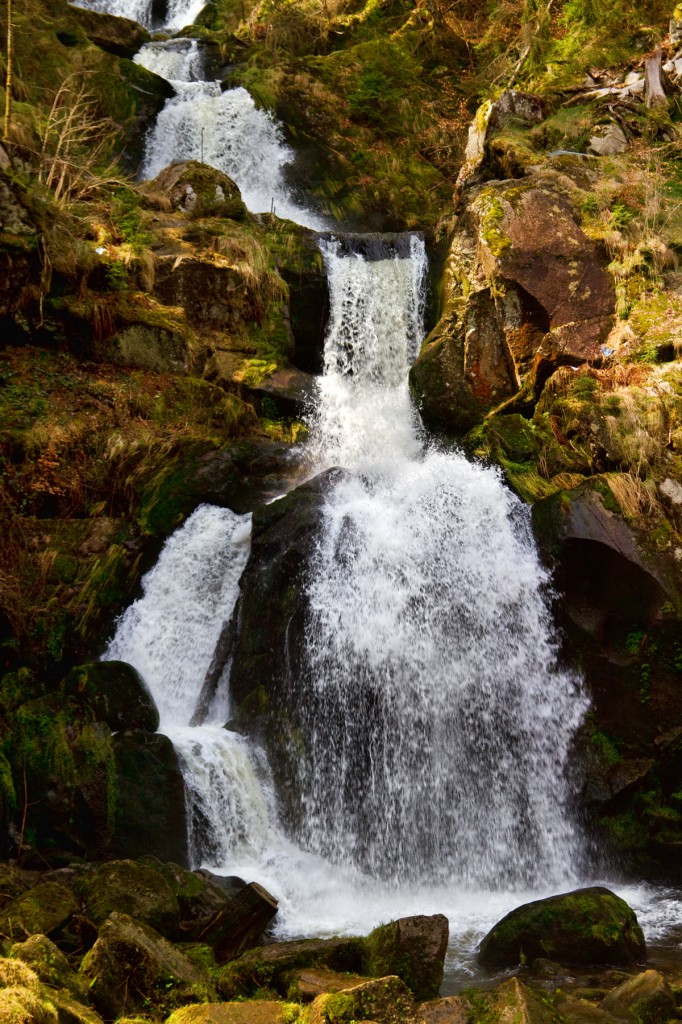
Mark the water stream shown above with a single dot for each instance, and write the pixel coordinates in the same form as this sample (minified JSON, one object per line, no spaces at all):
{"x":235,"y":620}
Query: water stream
{"x":438,"y":722}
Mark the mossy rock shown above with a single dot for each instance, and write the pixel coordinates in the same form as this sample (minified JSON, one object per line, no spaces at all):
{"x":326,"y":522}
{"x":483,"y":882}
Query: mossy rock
{"x":130,"y":888}
{"x":512,"y":1002}
{"x":150,"y":816}
{"x":199,"y":190}
{"x":49,"y":964}
{"x":382,"y":1000}
{"x":196,"y":894}
{"x":22,"y":998}
{"x":271,"y":966}
{"x":645,"y":999}
{"x":132,"y":969}
{"x":13,"y":883}
{"x":586,"y":926}
{"x":44,"y":910}
{"x":261,"y":1011}
{"x":116,"y":693}
{"x":414,"y":949}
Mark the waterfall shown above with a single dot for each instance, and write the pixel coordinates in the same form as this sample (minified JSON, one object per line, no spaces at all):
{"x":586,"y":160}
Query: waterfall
{"x":174,"y":14}
{"x":178,"y":60}
{"x":438,"y":722}
{"x":170,"y":635}
{"x":235,"y":137}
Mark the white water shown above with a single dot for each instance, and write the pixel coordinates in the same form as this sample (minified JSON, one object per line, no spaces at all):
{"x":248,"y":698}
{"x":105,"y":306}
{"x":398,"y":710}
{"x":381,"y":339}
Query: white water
{"x":179,"y":60}
{"x":177,"y":14}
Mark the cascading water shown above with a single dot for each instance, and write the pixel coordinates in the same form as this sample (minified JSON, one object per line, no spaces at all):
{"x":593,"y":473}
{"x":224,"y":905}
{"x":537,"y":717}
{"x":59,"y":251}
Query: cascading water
{"x":179,"y":60}
{"x":438,"y":722}
{"x":170,"y":635}
{"x":170,"y":17}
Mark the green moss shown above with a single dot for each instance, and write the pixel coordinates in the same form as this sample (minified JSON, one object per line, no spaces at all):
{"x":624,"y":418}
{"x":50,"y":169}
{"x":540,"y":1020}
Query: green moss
{"x":491,"y":213}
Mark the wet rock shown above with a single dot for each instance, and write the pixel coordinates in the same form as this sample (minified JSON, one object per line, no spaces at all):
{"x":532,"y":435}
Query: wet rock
{"x":512,"y":1002}
{"x":199,"y":190}
{"x":448,"y":1010}
{"x":120,"y":36}
{"x":413,"y":948}
{"x":270,"y":616}
{"x":49,"y":964}
{"x":272,"y":965}
{"x":150,"y":802}
{"x":239,"y":923}
{"x":583,"y":1012}
{"x":382,"y":1000}
{"x":306,"y":984}
{"x":645,"y":999}
{"x":586,"y":926}
{"x":130,"y":888}
{"x":131,"y":966}
{"x":44,"y":910}
{"x":524,"y":292}
{"x":290,"y":392}
{"x":116,"y":694}
{"x":262,"y":1011}
{"x":197,"y":895}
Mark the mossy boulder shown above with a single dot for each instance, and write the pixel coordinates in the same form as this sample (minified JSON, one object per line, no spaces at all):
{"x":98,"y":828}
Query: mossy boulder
{"x":306,"y":983}
{"x":382,"y":1000}
{"x":49,"y":964}
{"x":271,"y":966}
{"x":13,"y":883}
{"x":447,"y":1010}
{"x":120,"y":36}
{"x":197,"y":895}
{"x":130,"y":888}
{"x":116,"y":693}
{"x":261,"y":1011}
{"x":645,"y":999}
{"x":131,"y":967}
{"x":44,"y":910}
{"x":414,"y":949}
{"x":199,"y":190}
{"x":586,"y":926}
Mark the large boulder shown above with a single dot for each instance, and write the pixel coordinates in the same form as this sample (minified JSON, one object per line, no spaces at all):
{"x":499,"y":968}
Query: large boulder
{"x":413,"y":948}
{"x":261,"y":1011}
{"x":131,"y":966}
{"x":120,"y":36}
{"x":524,"y":291}
{"x":139,"y":890}
{"x":586,"y":926}
{"x":115,"y":692}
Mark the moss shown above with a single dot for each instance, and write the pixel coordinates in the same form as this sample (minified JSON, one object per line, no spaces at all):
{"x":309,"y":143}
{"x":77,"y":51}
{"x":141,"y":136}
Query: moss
{"x":491,"y":214}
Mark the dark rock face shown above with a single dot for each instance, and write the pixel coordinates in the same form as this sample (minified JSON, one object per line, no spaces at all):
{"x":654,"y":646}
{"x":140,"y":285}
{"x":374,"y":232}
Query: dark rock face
{"x":116,"y":693}
{"x":525,"y":291}
{"x":587,"y":926}
{"x":414,"y":949}
{"x":150,"y":806}
{"x":270,"y":619}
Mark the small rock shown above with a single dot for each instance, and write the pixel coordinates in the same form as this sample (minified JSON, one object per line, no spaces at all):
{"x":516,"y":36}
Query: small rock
{"x":42,"y":911}
{"x":310,"y":982}
{"x":582,"y":1012}
{"x":608,"y":141}
{"x":448,"y":1010}
{"x":49,"y":964}
{"x":382,"y":1000}
{"x":645,"y":999}
{"x":261,"y":1011}
{"x":671,"y":490}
